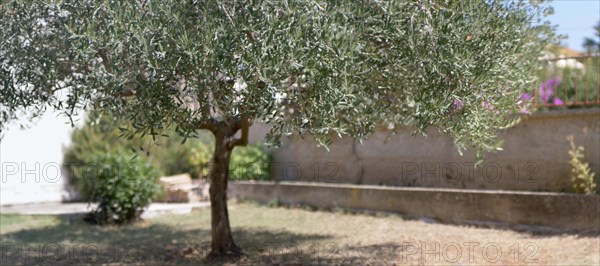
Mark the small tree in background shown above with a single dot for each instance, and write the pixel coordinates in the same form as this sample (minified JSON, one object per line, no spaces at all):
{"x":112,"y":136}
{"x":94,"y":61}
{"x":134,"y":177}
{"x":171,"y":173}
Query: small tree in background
{"x":308,"y":67}
{"x":592,"y":45}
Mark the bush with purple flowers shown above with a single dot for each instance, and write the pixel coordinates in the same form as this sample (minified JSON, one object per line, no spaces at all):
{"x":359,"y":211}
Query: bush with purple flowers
{"x":569,"y":83}
{"x":547,"y":92}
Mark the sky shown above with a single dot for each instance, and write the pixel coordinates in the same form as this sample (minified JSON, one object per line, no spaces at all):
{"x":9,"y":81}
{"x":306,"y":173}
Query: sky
{"x":43,"y":142}
{"x":575,"y":18}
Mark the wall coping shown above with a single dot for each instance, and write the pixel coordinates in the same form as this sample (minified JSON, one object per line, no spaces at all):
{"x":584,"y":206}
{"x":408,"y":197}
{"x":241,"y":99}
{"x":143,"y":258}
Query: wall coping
{"x":595,"y":111}
{"x":546,"y":114}
{"x":409,"y":189}
{"x":539,"y":115}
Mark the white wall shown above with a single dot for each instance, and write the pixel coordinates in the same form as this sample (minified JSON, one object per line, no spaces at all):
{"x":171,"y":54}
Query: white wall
{"x":31,"y":159}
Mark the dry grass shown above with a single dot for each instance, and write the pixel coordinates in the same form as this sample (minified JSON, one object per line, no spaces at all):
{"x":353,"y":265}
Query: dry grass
{"x":288,"y":236}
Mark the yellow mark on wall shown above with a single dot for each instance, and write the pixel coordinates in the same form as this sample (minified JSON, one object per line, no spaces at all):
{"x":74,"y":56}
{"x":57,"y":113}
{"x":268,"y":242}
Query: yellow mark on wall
{"x":355,"y":198}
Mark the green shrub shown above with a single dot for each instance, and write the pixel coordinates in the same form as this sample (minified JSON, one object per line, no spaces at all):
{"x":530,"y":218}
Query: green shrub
{"x":582,"y":177}
{"x":173,"y":157}
{"x":95,"y":138}
{"x":250,"y":162}
{"x":103,"y":135}
{"x":123,"y":187}
{"x":201,"y":157}
{"x":168,"y":154}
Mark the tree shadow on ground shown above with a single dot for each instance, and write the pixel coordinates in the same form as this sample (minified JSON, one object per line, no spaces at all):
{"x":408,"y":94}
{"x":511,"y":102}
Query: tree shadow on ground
{"x":72,"y":241}
{"x":534,"y":231}
{"x":328,"y":253}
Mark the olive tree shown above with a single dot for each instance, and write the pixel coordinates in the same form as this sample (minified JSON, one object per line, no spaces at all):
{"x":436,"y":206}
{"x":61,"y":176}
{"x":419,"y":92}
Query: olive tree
{"x":309,"y":67}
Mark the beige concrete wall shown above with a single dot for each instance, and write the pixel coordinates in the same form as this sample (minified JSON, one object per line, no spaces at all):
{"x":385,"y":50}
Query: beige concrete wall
{"x":535,"y":157}
{"x":563,"y":211}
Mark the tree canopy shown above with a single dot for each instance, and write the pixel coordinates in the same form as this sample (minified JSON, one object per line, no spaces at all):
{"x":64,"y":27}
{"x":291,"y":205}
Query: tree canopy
{"x":312,"y":67}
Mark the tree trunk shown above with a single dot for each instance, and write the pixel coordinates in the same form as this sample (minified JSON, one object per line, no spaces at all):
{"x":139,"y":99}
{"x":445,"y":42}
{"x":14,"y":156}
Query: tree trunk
{"x":222,"y":240}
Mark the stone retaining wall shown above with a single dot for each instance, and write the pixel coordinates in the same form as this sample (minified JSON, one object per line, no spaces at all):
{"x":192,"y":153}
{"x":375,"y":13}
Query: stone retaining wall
{"x":553,"y":210}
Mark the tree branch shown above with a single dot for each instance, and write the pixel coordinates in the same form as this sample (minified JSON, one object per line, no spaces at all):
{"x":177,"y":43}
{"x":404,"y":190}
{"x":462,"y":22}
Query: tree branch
{"x":105,"y":61}
{"x":244,"y":125}
{"x":211,"y":124}
{"x":127,"y":93}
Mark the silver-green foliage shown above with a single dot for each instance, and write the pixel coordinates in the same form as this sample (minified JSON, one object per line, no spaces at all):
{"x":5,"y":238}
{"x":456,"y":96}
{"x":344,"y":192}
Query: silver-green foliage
{"x":312,"y":67}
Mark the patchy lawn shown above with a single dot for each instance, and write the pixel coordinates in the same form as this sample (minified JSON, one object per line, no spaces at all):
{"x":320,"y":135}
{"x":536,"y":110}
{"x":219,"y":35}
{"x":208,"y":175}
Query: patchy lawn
{"x":289,"y":236}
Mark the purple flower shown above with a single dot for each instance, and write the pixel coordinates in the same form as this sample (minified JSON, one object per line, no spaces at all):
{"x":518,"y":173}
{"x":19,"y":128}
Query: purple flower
{"x":524,"y":110}
{"x":522,"y":106}
{"x":458,"y":104}
{"x":488,"y":105}
{"x":553,"y":82}
{"x":546,"y":93}
{"x":526,"y":96}
{"x":547,"y":89}
{"x":558,"y":101}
